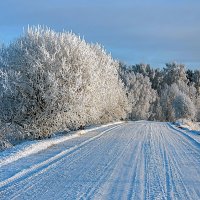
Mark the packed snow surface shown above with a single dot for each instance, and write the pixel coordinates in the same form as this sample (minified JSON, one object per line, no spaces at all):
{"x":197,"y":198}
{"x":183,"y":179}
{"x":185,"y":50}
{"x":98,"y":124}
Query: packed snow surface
{"x":32,"y":147}
{"x":134,"y":160}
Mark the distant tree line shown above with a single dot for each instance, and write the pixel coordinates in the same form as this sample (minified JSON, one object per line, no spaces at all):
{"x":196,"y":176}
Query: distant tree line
{"x":167,"y":94}
{"x":52,"y":81}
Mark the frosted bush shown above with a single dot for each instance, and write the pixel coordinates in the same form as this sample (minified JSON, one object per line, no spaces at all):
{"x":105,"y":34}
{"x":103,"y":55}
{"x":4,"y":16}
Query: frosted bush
{"x":52,"y":81}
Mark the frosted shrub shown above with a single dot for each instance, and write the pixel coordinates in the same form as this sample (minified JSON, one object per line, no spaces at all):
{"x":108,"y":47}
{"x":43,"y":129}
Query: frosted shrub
{"x":52,"y":81}
{"x":184,"y":107}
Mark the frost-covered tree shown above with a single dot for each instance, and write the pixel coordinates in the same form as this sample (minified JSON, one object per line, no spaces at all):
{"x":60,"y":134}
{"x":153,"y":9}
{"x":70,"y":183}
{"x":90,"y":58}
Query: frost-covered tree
{"x":197,"y":106}
{"x":173,"y":73}
{"x":196,"y":80}
{"x":167,"y":96}
{"x":140,"y":95}
{"x":194,"y":77}
{"x":175,"y":103}
{"x":53,"y":81}
{"x":183,"y":107}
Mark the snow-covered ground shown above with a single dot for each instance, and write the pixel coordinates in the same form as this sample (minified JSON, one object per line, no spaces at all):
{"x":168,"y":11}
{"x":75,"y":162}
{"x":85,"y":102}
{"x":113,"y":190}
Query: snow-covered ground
{"x":190,"y":129}
{"x":134,"y":160}
{"x":31,"y":147}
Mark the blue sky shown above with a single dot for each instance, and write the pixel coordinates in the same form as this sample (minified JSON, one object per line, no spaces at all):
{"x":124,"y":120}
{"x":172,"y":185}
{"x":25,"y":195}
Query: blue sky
{"x":134,"y":31}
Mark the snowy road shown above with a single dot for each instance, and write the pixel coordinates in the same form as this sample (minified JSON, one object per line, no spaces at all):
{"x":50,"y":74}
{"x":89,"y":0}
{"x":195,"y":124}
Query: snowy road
{"x":135,"y":160}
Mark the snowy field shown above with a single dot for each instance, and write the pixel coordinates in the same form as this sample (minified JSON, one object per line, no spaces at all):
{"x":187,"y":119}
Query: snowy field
{"x":134,"y":160}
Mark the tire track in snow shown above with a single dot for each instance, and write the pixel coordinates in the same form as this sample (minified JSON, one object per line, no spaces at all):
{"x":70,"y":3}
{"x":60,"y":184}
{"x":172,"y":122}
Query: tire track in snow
{"x":152,"y":187}
{"x":146,"y":168}
{"x":177,"y":160}
{"x":100,"y":173}
{"x":92,"y":164}
{"x":50,"y":161}
{"x":30,"y":182}
{"x":120,"y":172}
{"x":157,"y":159}
{"x":172,"y":177}
{"x":171,"y":145}
{"x":114,"y":162}
{"x":136,"y":173}
{"x":27,"y":182}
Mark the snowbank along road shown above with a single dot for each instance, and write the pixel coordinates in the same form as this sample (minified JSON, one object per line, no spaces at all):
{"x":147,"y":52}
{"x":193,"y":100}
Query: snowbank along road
{"x":135,"y":160}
